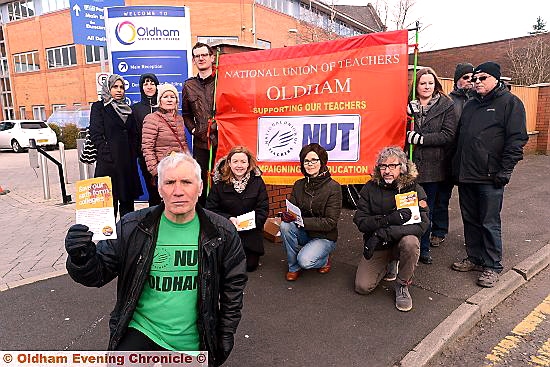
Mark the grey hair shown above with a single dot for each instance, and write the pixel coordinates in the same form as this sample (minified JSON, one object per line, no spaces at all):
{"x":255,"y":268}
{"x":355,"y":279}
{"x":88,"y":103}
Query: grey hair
{"x":174,"y":160}
{"x":393,"y":151}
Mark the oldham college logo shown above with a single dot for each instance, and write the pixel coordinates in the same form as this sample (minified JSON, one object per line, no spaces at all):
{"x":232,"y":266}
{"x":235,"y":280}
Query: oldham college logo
{"x":125,"y":33}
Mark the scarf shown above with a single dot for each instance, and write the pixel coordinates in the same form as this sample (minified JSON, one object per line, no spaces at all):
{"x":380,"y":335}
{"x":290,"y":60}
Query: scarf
{"x":240,"y":185}
{"x":424,"y":109}
{"x":121,"y":107}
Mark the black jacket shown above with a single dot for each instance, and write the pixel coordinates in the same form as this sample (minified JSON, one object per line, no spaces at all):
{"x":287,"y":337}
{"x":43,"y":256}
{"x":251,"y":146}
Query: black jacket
{"x":116,"y":143}
{"x":222,"y":275}
{"x":459,"y":97}
{"x":144,"y":107}
{"x":438,"y":128}
{"x":491,"y":135}
{"x":377,"y":199}
{"x":320,"y":201}
{"x":224,"y":200}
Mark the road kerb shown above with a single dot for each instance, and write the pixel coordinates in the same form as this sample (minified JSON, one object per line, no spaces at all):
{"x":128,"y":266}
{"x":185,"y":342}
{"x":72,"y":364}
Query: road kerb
{"x":488,"y":298}
{"x":456,"y":324}
{"x":18,"y":283}
{"x":535,"y":263}
{"x":470,"y":312}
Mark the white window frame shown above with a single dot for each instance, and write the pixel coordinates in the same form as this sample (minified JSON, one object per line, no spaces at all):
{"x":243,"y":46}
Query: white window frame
{"x":61,"y":57}
{"x":212,"y":39}
{"x":15,"y":10}
{"x":54,"y":5}
{"x":39,"y":112}
{"x":92,"y":54}
{"x":56,"y":107}
{"x":23,"y":112}
{"x":26,"y":62}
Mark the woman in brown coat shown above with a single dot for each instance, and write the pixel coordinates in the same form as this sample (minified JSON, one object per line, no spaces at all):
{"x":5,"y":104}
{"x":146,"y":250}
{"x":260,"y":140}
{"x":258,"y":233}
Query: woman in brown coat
{"x":163,"y":130}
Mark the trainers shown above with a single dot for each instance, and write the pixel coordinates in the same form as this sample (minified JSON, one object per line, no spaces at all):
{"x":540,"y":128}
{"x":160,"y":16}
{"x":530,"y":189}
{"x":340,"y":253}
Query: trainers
{"x":466,"y":265}
{"x":326,"y":268}
{"x":391,"y":271}
{"x":403,"y":300}
{"x":435,"y":241}
{"x":488,"y":278}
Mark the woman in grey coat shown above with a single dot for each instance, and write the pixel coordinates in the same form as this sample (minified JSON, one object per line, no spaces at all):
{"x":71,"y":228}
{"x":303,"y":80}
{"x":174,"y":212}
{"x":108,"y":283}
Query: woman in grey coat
{"x":433,"y":133}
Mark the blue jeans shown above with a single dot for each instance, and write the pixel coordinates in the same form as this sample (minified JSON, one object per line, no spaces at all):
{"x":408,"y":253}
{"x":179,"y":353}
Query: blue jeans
{"x":440,"y":216}
{"x":431,"y":189}
{"x":303,"y":251}
{"x":480,"y":205}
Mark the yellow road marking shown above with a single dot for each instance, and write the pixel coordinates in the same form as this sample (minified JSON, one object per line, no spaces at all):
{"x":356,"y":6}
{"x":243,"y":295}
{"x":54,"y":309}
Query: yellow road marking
{"x":517,"y":337}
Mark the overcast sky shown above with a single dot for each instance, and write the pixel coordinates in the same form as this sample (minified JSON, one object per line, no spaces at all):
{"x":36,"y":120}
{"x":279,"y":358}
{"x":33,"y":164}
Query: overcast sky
{"x":451,"y":23}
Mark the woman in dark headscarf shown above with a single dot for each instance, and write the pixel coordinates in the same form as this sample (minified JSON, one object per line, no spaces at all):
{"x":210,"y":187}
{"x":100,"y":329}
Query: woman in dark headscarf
{"x":319,"y":198}
{"x":113,"y":132}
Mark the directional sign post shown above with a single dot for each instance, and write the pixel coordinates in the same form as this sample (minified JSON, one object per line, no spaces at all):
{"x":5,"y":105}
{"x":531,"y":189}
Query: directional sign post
{"x":88,"y":21}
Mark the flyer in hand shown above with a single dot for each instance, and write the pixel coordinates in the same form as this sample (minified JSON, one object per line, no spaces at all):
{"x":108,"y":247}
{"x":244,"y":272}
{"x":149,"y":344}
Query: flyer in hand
{"x":94,"y":207}
{"x":409,"y":200}
{"x":246,"y":221}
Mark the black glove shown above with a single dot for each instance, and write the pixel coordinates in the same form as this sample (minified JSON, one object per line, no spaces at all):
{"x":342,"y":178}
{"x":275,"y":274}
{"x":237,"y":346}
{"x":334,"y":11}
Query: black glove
{"x":225,"y":345}
{"x":501,"y":179}
{"x":79,"y":245}
{"x":415,"y":138}
{"x":370,"y":245}
{"x":398,"y":217}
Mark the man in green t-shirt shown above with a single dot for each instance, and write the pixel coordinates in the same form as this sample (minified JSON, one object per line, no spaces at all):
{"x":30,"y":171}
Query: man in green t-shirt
{"x":181,"y":270}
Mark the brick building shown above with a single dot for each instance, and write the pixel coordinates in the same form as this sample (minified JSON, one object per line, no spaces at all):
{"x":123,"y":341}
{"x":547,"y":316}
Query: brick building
{"x":444,"y":61}
{"x":41,"y":69}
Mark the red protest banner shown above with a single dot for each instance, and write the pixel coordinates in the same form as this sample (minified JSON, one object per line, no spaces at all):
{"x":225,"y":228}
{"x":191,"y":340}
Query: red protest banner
{"x":349,"y":95}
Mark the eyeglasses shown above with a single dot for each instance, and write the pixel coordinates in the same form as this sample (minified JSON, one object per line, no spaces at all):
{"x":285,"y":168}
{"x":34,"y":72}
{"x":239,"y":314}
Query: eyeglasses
{"x":466,"y":77}
{"x":480,"y":78}
{"x":390,"y":166}
{"x":201,"y":55}
{"x":311,"y":162}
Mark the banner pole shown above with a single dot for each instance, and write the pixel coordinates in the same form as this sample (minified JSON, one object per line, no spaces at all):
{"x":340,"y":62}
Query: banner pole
{"x":415,"y":64}
{"x":210,"y":121}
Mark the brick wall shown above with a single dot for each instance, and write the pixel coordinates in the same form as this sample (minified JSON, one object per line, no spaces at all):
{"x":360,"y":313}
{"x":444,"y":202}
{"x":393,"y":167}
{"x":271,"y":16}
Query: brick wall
{"x":543,"y":120}
{"x":444,"y":61}
{"x":277,"y":196}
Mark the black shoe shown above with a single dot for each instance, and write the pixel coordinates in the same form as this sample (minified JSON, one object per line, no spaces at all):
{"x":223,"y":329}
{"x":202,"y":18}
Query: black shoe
{"x":425,"y":259}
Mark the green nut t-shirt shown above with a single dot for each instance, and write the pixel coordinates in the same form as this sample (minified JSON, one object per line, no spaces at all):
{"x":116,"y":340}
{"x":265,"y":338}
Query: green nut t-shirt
{"x":167,"y":308}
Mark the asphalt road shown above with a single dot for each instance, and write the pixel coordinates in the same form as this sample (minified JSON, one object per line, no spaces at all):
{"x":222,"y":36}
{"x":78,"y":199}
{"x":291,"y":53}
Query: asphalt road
{"x":514,"y":334}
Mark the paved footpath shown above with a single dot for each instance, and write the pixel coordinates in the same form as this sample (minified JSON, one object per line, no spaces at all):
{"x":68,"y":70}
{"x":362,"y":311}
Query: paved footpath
{"x":316,"y":321}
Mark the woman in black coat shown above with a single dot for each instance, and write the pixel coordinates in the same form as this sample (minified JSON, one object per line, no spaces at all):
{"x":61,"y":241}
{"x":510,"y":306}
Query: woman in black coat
{"x":238,"y":189}
{"x":433,"y":137}
{"x":113,"y":132}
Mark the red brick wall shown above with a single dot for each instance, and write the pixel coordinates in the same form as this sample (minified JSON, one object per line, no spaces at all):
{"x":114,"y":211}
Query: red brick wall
{"x":444,"y":61}
{"x":277,"y":197}
{"x":543,"y":120}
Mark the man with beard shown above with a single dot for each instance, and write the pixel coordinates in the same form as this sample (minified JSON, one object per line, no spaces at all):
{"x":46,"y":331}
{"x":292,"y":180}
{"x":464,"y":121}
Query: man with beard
{"x":385,"y":234}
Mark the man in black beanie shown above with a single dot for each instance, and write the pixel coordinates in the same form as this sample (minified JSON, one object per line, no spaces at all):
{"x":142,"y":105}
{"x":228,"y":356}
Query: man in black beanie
{"x":491,"y":135}
{"x":461,"y":92}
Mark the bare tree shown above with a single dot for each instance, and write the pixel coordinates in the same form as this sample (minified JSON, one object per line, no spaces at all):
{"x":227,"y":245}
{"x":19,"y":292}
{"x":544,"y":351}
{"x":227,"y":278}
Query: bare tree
{"x":530,"y":64}
{"x":314,"y":27}
{"x":394,"y":13}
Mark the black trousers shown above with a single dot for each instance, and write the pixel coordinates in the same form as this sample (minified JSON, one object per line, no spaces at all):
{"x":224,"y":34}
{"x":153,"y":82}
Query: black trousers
{"x":202,"y":156}
{"x":136,"y":340}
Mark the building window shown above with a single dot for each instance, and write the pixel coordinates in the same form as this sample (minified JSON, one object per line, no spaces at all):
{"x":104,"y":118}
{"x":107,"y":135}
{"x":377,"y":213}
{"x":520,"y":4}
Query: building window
{"x":61,"y":57}
{"x":4,"y":67}
{"x":39,"y":113}
{"x":20,"y":9}
{"x":53,"y":5}
{"x":77,"y":106}
{"x":212,"y":39}
{"x":56,"y":107}
{"x":25,"y":62}
{"x":263,"y":44}
{"x":93,"y":54}
{"x":23,"y":112}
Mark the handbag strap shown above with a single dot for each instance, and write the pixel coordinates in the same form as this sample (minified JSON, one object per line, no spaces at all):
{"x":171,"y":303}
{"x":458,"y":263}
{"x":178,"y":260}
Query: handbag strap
{"x":175,"y":134}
